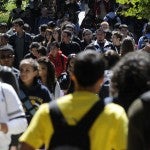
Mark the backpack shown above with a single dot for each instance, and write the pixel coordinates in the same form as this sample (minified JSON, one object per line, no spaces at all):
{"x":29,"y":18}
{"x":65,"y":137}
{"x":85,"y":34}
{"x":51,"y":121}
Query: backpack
{"x":72,"y":137}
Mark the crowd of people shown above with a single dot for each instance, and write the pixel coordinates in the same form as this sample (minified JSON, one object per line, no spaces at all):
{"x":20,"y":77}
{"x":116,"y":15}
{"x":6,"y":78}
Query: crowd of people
{"x":55,"y":74}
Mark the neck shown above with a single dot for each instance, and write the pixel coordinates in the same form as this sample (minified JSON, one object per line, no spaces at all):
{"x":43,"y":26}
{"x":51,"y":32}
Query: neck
{"x":28,"y":84}
{"x":43,"y":80}
{"x":20,"y":33}
{"x":92,"y":89}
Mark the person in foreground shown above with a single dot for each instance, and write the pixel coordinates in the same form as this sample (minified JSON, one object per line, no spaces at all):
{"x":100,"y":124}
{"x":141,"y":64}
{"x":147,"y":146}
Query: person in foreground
{"x":109,"y":129}
{"x":12,"y":116}
{"x":139,"y":123}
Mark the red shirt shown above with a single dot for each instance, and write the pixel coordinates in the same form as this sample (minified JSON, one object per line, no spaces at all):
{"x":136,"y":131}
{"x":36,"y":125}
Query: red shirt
{"x":60,"y":62}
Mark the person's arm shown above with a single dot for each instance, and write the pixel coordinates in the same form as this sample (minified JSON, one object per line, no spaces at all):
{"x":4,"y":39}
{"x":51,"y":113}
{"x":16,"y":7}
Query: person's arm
{"x":39,"y":130}
{"x":17,"y":122}
{"x":3,"y":127}
{"x":25,"y":146}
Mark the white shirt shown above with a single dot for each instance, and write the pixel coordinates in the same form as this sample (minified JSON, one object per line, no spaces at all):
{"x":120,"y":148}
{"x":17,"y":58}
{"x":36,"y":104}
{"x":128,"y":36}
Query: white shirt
{"x":10,"y":109}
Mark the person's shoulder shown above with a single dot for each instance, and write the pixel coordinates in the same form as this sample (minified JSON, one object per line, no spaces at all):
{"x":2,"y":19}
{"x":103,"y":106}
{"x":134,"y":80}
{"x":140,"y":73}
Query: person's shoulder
{"x":5,"y":86}
{"x":43,"y":87}
{"x":140,"y":105}
{"x":91,"y":46}
{"x":44,"y":108}
{"x":75,"y":43}
{"x":114,"y":109}
{"x":28,"y":35}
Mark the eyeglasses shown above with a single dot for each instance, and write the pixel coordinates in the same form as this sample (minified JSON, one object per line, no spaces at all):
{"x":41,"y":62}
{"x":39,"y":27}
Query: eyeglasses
{"x":6,"y":56}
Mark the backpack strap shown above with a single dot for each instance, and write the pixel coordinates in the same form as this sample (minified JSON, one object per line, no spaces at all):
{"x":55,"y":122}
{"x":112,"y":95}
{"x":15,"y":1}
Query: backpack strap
{"x":89,"y":118}
{"x":56,"y":115}
{"x":85,"y":123}
{"x":27,"y":104}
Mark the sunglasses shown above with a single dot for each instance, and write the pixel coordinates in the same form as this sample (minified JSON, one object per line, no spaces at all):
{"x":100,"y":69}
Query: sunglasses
{"x":6,"y":56}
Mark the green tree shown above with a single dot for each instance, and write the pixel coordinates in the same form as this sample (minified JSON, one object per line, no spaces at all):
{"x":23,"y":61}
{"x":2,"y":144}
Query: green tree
{"x":138,"y":8}
{"x":6,"y":6}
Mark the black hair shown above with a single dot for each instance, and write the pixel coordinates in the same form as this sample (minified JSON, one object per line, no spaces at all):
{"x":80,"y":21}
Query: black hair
{"x":18,"y":21}
{"x":127,"y":46}
{"x":112,"y":57}
{"x":43,"y":27}
{"x":131,"y":77}
{"x":89,"y":67}
{"x":67,"y":32}
{"x":7,"y":76}
{"x":34,"y":45}
{"x":42,"y":50}
{"x":51,"y":79}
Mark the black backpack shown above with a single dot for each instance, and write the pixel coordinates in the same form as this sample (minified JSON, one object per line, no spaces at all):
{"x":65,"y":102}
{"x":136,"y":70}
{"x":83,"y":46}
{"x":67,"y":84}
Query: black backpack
{"x":72,"y":137}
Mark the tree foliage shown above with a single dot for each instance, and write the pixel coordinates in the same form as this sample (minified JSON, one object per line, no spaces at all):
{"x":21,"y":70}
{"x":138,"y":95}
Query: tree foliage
{"x":7,"y":5}
{"x":138,"y":8}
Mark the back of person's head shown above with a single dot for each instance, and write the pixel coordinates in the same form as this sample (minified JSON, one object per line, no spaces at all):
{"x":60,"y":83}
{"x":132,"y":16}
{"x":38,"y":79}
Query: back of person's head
{"x":127,"y":46}
{"x":131,"y":77}
{"x":88,"y":68}
{"x":7,"y":76}
{"x":112,"y":57}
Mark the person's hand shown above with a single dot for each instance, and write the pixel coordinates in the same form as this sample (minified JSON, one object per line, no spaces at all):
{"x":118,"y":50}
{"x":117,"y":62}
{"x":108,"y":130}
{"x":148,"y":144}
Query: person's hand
{"x":3,"y":127}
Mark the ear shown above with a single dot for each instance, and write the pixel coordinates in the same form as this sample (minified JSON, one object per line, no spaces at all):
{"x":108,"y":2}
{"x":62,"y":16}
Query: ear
{"x":101,"y":79}
{"x":72,"y":76}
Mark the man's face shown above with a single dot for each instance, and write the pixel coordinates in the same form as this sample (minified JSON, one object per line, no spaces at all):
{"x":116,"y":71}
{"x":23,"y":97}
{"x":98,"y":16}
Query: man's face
{"x":64,"y":37}
{"x":6,"y":58}
{"x":100,"y":36}
{"x":54,"y":50}
{"x":116,"y":41}
{"x":17,"y":27}
{"x":88,"y":36}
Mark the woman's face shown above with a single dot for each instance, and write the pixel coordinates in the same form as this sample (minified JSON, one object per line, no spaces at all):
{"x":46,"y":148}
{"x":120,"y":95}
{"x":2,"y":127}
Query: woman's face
{"x":34,"y":52}
{"x":48,"y":35}
{"x":27,"y":73}
{"x":70,"y":66}
{"x":42,"y":70}
{"x":55,"y":34}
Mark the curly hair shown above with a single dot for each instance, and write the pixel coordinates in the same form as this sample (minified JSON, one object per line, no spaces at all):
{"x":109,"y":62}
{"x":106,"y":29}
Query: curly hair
{"x":131,"y":77}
